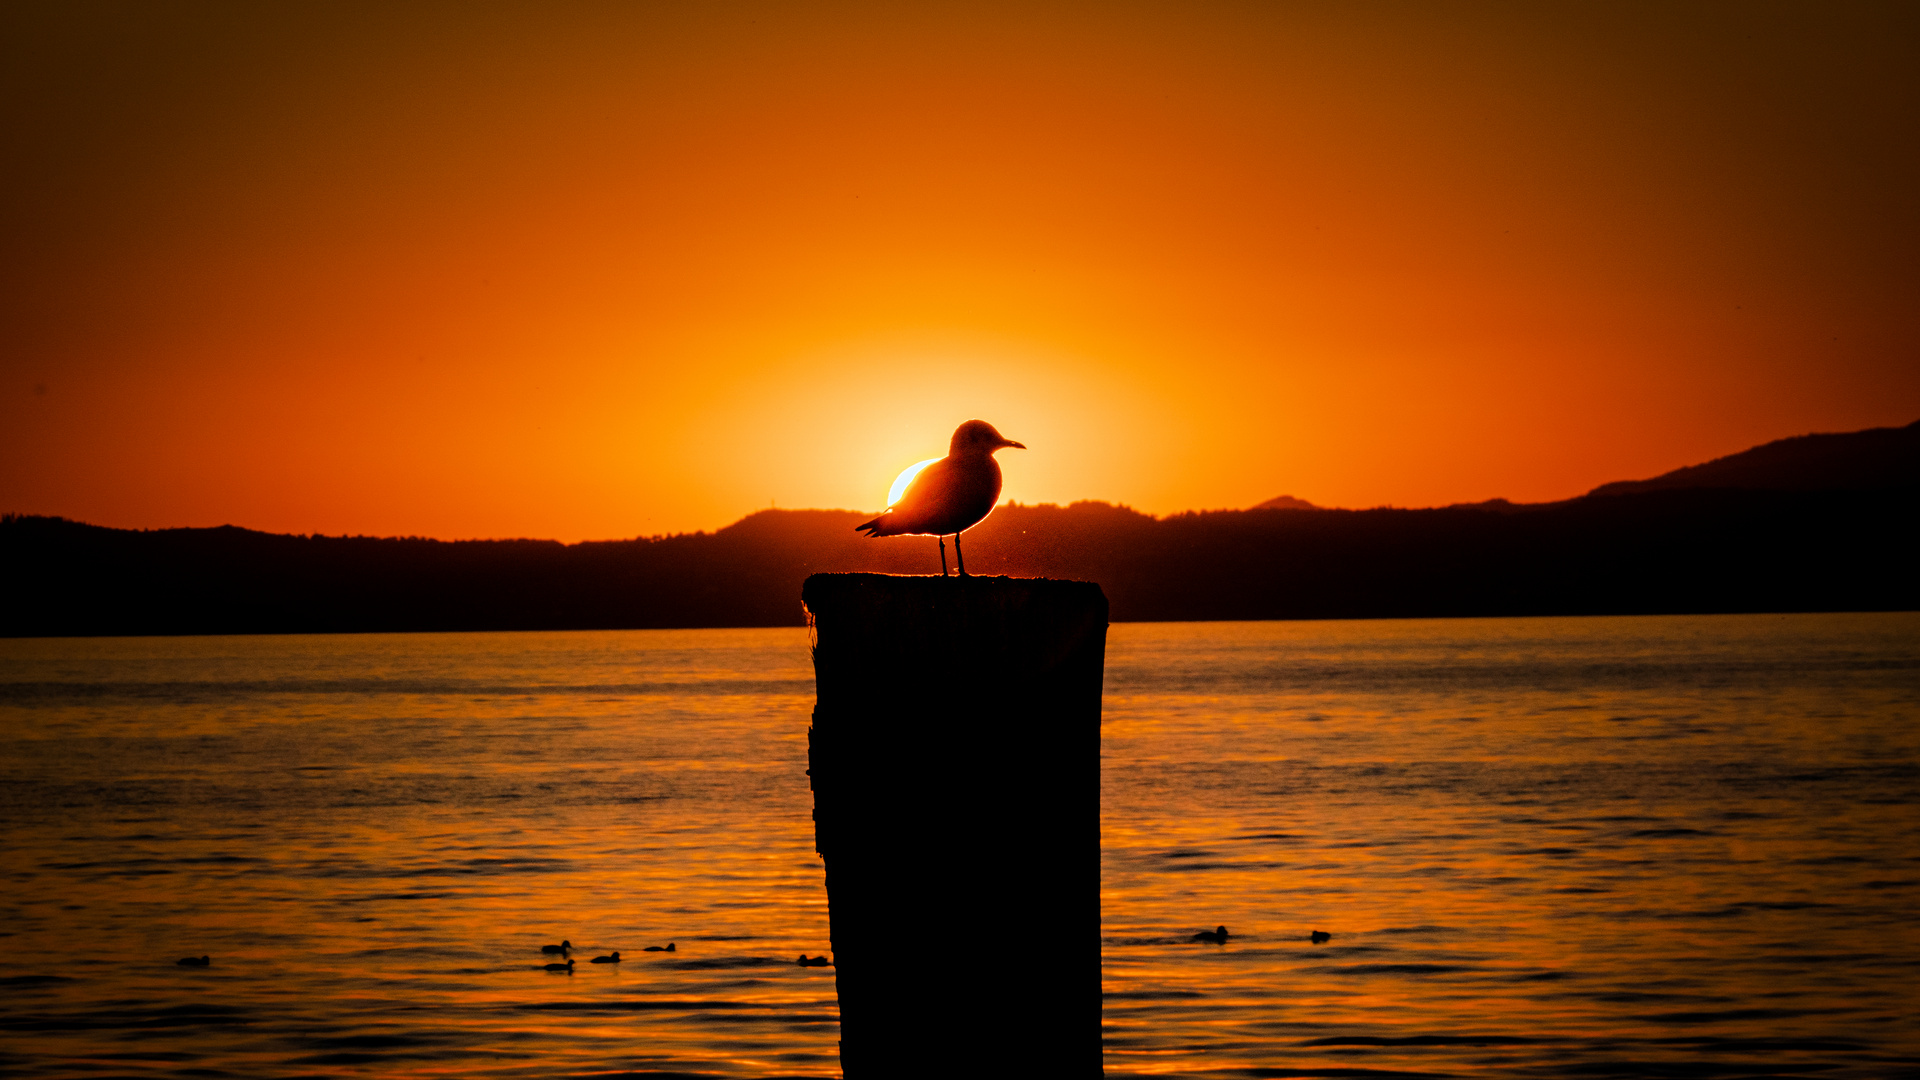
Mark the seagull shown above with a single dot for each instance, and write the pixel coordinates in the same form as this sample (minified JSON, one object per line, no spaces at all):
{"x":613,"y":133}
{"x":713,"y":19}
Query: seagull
{"x":950,"y":494}
{"x":1216,"y":936}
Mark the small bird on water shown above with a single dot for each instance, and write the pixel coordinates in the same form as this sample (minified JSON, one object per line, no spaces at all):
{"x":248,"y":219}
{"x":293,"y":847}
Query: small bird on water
{"x":195,"y":961}
{"x":563,"y":948}
{"x":1217,"y":936}
{"x":951,"y":495}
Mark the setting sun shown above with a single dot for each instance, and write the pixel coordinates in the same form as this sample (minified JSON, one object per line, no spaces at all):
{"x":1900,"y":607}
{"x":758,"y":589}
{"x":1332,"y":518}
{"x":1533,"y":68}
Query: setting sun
{"x":904,"y":480}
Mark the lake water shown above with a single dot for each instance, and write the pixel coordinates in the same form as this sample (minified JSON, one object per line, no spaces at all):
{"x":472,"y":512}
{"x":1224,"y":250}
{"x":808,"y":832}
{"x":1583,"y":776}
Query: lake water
{"x":1634,"y":847}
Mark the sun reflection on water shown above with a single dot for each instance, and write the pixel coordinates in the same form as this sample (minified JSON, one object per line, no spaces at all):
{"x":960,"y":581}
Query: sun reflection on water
{"x":1541,"y":847}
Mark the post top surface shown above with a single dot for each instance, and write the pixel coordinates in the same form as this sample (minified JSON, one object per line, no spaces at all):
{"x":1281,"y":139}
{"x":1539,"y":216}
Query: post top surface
{"x":824,"y":591}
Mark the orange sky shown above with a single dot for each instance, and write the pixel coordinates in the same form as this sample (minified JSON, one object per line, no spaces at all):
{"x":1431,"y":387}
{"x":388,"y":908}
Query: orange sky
{"x":592,"y":271}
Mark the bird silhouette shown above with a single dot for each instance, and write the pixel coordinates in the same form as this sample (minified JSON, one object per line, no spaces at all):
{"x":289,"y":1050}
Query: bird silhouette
{"x":566,"y":967}
{"x":614,"y":959}
{"x":814,"y":961}
{"x":563,"y":948}
{"x":668,"y":947}
{"x":194,"y":961}
{"x":1319,"y":936}
{"x":950,"y":495}
{"x":1217,"y":936}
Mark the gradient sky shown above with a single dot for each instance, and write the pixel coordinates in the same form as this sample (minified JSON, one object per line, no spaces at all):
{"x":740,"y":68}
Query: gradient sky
{"x":595,"y":271}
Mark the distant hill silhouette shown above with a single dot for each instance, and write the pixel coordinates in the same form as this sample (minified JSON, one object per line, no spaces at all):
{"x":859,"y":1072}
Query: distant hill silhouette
{"x":1816,"y":523}
{"x":1284,"y":502}
{"x":1855,"y":461}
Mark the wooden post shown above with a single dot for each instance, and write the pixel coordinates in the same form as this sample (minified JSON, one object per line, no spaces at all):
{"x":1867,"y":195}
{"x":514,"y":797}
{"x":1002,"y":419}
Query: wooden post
{"x":955,"y":757}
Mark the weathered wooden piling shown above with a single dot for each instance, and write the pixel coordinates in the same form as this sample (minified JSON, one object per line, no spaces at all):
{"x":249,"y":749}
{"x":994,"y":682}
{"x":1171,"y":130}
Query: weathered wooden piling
{"x":955,"y":757}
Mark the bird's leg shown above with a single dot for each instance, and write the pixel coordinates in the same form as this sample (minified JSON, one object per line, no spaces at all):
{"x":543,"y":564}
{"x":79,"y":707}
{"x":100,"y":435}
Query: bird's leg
{"x":943,"y":552}
{"x":961,"y":559}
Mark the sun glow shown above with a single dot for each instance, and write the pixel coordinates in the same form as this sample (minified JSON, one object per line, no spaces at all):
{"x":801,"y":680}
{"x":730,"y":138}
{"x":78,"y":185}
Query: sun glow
{"x":905,"y":478}
{"x":715,"y":263}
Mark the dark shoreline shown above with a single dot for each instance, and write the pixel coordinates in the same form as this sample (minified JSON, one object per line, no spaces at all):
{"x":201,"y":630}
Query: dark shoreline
{"x":1116,"y":622}
{"x":1686,"y":551}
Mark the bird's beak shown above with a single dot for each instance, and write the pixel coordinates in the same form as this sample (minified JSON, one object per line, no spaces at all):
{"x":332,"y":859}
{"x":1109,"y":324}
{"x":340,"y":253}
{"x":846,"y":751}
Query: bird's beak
{"x":1015,"y":445}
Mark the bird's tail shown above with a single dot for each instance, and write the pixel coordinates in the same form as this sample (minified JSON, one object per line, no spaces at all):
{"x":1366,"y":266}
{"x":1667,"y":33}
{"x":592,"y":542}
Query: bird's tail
{"x":871,"y":528}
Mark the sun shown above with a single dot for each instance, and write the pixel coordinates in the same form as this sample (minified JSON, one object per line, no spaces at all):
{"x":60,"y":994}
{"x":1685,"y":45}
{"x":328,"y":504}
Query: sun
{"x":905,"y":478}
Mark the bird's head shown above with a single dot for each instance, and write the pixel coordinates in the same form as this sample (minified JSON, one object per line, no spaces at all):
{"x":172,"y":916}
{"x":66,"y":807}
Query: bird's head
{"x":978,"y":437}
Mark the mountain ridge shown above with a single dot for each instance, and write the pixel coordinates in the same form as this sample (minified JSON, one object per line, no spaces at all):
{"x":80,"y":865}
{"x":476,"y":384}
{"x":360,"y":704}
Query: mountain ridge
{"x":1822,"y":461}
{"x":1657,"y":550}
